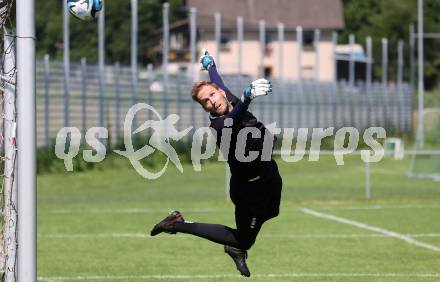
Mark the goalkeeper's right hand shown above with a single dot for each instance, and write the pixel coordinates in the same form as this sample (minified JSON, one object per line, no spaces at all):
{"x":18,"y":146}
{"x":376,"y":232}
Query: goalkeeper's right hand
{"x":206,"y":60}
{"x":97,"y":5}
{"x":259,"y":87}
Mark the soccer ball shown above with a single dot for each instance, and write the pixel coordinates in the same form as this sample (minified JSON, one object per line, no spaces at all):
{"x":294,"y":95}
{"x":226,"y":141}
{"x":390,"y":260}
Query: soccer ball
{"x":84,"y":9}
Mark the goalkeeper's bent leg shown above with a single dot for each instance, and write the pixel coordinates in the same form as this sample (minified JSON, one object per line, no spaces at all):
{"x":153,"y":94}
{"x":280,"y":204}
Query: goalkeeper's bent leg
{"x":216,"y":233}
{"x":242,"y":238}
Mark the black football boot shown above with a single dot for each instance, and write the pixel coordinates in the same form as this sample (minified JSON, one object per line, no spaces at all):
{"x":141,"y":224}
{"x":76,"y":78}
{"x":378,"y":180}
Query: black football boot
{"x":239,"y":257}
{"x":167,"y":225}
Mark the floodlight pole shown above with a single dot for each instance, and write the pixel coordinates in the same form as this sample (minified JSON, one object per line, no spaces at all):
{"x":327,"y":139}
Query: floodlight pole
{"x":317,"y":39}
{"x":217,"y":35}
{"x":26,"y":132}
{"x":101,"y":64}
{"x":166,"y":49}
{"x":399,"y":65}
{"x":46,"y":100}
{"x":133,"y":55}
{"x":281,"y":51}
{"x":351,"y":63}
{"x":335,"y":61}
{"x":411,"y":55}
{"x":193,"y":42}
{"x":299,"y":41}
{"x":420,"y":66}
{"x":369,"y":71}
{"x":193,"y":51}
{"x":240,"y":45}
{"x":262,"y":35}
{"x":367,"y":178}
{"x":281,"y":71}
{"x":384,"y":62}
{"x":66,"y":61}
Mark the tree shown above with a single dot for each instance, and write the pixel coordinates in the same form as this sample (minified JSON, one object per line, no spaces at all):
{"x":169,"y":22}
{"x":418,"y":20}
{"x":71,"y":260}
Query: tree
{"x":83,"y":34}
{"x":391,"y":19}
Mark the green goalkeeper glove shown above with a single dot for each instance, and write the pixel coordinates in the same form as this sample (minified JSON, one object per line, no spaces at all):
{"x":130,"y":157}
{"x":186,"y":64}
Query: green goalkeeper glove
{"x":259,"y":87}
{"x":206,"y":60}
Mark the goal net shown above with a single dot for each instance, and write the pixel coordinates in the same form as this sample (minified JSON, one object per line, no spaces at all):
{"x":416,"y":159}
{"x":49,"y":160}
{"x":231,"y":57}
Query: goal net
{"x":425,"y":162}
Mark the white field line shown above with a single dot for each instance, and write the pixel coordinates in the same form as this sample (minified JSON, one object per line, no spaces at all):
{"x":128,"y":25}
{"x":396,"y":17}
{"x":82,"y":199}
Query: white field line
{"x":346,"y":236}
{"x":133,"y":210}
{"x":222,"y":276}
{"x":393,"y":234}
{"x":379,"y":207}
{"x":356,"y":152}
{"x":290,"y":236}
{"x":214,"y":210}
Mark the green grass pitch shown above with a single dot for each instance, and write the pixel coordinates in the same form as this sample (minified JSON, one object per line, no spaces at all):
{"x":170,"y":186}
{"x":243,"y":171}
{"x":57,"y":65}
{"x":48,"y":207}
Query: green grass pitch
{"x":93,"y":226}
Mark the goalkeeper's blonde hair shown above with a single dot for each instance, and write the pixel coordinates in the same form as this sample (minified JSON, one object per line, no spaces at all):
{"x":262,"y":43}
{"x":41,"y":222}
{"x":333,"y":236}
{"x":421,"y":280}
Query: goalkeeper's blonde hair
{"x":199,"y":85}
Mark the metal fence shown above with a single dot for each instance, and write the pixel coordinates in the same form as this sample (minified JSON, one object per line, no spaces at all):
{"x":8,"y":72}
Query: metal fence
{"x":81,"y":95}
{"x":294,"y":104}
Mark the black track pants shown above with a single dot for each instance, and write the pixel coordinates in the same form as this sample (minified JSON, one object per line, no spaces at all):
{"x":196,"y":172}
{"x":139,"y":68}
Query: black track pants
{"x":243,"y":237}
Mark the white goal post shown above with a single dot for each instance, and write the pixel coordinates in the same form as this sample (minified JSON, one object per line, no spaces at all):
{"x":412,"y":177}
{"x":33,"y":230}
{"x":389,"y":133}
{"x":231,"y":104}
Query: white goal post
{"x":26,"y":142}
{"x":19,"y":141}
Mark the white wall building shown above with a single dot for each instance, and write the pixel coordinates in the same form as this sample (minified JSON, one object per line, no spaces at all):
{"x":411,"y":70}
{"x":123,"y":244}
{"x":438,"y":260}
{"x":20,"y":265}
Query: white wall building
{"x":324,"y":15}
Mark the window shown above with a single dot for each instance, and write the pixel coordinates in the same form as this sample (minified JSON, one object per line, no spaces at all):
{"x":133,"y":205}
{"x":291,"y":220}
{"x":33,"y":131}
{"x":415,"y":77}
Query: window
{"x":269,"y":37}
{"x":268,"y":45}
{"x":267,"y":72}
{"x":225,"y":39}
{"x":308,"y":38}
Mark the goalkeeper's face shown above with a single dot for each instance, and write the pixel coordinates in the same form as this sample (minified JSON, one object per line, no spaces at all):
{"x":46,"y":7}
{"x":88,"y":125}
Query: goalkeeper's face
{"x":213,"y":100}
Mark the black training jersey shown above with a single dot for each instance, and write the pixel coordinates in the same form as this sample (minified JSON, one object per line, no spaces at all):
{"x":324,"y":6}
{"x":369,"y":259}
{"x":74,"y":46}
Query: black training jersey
{"x":255,"y":185}
{"x":242,"y":118}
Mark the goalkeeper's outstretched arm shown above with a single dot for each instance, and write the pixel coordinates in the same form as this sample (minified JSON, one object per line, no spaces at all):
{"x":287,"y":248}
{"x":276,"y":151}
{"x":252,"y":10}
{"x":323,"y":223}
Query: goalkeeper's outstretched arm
{"x":207,"y":62}
{"x":259,"y":87}
{"x":215,"y":77}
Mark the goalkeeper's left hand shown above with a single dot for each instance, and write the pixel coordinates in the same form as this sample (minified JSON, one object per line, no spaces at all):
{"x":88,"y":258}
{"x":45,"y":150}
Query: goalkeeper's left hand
{"x":259,"y":87}
{"x":206,"y":60}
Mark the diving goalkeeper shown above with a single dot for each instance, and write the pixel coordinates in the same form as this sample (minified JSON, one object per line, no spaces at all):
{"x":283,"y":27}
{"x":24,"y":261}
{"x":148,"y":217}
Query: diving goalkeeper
{"x":255,"y":186}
